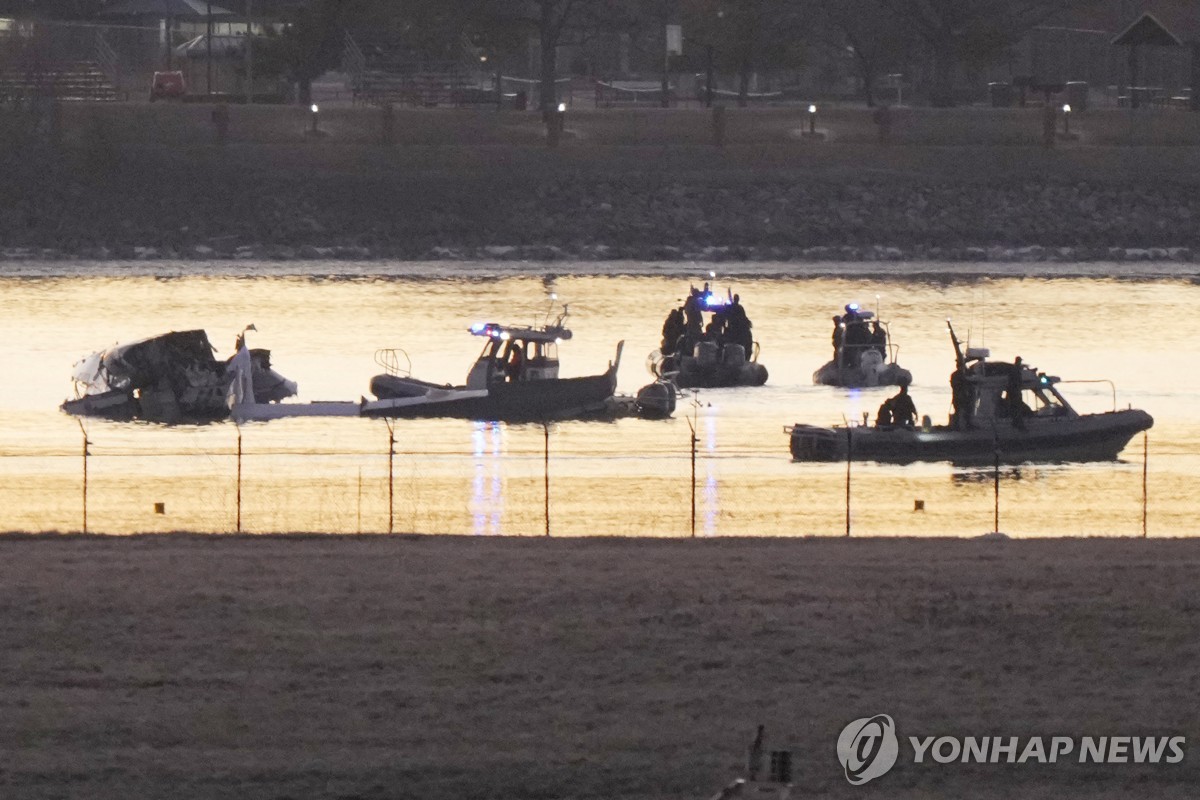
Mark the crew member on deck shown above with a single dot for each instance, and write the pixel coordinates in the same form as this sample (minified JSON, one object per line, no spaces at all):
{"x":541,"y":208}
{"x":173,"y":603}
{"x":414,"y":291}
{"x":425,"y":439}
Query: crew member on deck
{"x":516,"y":358}
{"x":672,"y":329}
{"x":1017,"y":410}
{"x":898,"y":410}
{"x":879,"y":339}
{"x":856,"y":339}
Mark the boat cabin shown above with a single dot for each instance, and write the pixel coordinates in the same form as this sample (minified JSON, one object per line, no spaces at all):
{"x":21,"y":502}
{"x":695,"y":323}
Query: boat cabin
{"x":513,"y":355}
{"x":858,"y":336}
{"x":988,"y":390}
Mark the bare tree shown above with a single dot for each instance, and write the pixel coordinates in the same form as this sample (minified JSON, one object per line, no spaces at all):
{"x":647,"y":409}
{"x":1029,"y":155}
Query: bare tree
{"x":953,"y":30}
{"x":747,"y":35}
{"x":878,"y":40}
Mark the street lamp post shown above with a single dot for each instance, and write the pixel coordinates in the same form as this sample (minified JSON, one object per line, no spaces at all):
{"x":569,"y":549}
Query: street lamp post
{"x":208,"y":35}
{"x":249,"y":52}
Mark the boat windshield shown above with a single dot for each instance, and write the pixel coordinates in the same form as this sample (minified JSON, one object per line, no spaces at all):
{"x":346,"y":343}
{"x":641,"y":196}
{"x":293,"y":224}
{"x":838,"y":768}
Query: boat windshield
{"x":995,"y":396}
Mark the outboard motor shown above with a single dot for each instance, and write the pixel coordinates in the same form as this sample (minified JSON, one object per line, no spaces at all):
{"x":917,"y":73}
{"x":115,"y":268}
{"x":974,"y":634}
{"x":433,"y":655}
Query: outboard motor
{"x":734,"y":355}
{"x":705,"y":353}
{"x":656,"y":400}
{"x":871,"y":363}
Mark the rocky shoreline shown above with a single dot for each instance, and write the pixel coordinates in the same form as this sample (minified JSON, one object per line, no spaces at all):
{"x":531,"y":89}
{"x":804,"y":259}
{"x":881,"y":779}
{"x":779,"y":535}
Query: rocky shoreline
{"x":590,"y":217}
{"x":1033,"y":254}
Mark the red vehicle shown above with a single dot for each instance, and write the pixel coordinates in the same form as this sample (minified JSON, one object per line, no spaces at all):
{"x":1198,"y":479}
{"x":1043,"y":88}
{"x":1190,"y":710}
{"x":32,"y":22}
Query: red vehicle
{"x":167,"y":85}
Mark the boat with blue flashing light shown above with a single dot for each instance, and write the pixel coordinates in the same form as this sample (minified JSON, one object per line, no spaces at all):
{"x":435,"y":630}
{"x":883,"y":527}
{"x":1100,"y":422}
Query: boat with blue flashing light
{"x":705,"y":352}
{"x":514,"y":379}
{"x":1003,"y":411}
{"x":864,"y":354}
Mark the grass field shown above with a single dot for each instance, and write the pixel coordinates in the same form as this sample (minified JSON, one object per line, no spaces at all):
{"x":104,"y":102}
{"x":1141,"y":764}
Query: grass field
{"x":445,"y":667}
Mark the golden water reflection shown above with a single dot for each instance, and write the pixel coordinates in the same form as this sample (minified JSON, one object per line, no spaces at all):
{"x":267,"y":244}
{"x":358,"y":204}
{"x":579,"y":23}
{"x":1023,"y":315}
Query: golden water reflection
{"x":630,"y":477}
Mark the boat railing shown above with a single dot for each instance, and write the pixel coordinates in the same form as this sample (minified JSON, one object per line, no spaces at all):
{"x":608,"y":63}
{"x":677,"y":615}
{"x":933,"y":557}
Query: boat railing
{"x":389,"y":358}
{"x":1111,"y":386}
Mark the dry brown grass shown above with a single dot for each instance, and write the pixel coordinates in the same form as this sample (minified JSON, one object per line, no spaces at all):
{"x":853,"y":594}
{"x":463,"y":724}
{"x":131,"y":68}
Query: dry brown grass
{"x":967,"y":144}
{"x":443,"y":667}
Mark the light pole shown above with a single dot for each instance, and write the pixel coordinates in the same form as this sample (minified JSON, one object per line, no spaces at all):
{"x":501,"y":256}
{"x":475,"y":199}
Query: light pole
{"x":249,"y":52}
{"x":812,"y":119}
{"x":208,"y":34}
{"x":1066,"y":119}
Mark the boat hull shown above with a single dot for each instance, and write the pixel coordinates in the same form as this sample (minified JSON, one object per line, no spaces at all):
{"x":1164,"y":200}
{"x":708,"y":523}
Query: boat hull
{"x":1091,"y":437}
{"x":689,"y":372}
{"x":861,"y":377}
{"x":523,"y":401}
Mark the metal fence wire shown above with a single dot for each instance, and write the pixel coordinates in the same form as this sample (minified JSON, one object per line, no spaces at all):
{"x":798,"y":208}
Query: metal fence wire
{"x":533,"y":480}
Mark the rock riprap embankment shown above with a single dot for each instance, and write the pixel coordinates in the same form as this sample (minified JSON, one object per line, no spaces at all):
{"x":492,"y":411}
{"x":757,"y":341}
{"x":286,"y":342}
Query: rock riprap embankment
{"x":628,"y":217}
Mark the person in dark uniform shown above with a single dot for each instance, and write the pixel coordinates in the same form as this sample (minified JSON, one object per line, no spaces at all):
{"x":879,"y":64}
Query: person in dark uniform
{"x":857,"y":339}
{"x":1017,"y":410}
{"x":738,"y":326}
{"x":879,"y":339}
{"x":898,"y":410}
{"x":960,"y":398}
{"x":672,"y":329}
{"x":693,"y":314}
{"x":516,"y":359}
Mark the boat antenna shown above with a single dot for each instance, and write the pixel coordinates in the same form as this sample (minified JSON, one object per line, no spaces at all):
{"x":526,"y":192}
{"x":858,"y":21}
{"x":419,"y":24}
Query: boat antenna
{"x":959,"y":360}
{"x":983,"y":320}
{"x":878,"y":308}
{"x":550,"y":308}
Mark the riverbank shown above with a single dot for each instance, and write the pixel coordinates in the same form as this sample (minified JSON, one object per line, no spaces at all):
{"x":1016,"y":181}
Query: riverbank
{"x":452,"y":667}
{"x":489,"y":189}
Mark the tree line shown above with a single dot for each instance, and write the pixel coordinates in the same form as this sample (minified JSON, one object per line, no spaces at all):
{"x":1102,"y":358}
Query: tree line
{"x":739,"y":37}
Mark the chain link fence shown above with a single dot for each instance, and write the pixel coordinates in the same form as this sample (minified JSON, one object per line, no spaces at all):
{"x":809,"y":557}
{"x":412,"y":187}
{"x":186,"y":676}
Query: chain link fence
{"x":530,"y":480}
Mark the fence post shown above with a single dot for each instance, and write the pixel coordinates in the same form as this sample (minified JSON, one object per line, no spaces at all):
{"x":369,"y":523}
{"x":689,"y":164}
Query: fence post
{"x":239,"y":479}
{"x":85,"y":475}
{"x":996,"y":488}
{"x":849,"y":460}
{"x":1145,"y":470}
{"x":546,"y":471}
{"x":692,"y":422}
{"x":391,"y":426}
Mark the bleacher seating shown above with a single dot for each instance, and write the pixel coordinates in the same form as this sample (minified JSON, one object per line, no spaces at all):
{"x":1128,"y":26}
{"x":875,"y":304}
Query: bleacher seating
{"x":76,"y":80}
{"x":383,"y":72}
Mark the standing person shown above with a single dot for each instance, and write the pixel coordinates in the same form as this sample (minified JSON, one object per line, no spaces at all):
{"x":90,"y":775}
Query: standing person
{"x":960,"y":397}
{"x":516,"y":358}
{"x":856,"y":339}
{"x":739,"y":326}
{"x":693,"y":321}
{"x":879,"y":339}
{"x":903,"y":410}
{"x":1017,"y":410}
{"x":673,"y":328}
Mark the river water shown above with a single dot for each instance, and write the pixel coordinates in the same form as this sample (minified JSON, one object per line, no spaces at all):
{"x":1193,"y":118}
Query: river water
{"x":324,"y":322}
